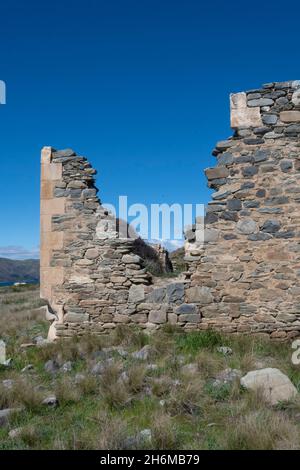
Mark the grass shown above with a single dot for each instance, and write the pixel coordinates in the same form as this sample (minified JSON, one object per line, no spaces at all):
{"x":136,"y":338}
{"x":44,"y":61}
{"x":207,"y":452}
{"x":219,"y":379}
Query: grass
{"x":182,"y":409}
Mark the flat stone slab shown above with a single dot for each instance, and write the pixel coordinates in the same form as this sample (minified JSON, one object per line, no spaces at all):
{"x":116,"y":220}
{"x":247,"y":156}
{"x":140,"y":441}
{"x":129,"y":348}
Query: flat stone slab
{"x":290,"y":116}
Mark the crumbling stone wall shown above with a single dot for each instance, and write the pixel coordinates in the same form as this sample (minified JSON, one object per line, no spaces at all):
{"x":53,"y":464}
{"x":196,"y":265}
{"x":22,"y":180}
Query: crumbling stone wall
{"x":246,"y":277}
{"x":90,"y":276}
{"x":243,"y":279}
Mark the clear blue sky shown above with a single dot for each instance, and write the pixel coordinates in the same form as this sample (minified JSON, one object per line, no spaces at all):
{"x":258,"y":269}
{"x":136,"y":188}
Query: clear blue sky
{"x":140,"y":87}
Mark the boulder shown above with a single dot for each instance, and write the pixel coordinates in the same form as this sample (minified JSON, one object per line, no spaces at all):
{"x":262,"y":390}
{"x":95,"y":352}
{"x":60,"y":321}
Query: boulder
{"x":275,"y":386}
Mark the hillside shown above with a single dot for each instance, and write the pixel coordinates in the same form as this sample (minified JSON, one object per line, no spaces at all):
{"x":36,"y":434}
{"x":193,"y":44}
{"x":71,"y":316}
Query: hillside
{"x":18,"y":271}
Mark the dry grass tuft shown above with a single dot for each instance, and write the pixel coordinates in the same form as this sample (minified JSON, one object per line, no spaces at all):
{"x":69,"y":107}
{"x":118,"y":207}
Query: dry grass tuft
{"x":136,"y":378}
{"x":113,"y":390}
{"x":165,"y":434}
{"x":65,"y":391}
{"x":262,"y":430}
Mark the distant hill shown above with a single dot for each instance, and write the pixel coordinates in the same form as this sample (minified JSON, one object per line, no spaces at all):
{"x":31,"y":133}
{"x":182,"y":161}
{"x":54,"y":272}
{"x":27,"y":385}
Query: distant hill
{"x":177,"y":259}
{"x":18,"y":271}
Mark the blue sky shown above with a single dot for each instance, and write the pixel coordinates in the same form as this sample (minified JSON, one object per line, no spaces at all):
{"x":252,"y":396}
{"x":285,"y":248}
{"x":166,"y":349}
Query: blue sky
{"x":139,"y":87}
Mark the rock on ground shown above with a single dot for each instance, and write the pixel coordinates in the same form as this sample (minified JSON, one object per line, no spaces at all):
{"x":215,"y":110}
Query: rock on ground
{"x":227,"y":377}
{"x":143,"y":354}
{"x":275,"y":386}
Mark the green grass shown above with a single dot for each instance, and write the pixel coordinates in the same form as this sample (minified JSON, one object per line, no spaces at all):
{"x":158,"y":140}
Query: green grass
{"x":182,"y":410}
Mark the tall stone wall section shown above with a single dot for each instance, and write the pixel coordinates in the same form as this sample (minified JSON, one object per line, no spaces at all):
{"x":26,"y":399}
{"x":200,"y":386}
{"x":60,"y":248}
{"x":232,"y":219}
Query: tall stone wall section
{"x":249,"y":266}
{"x":244,"y":278}
{"x":90,"y":276}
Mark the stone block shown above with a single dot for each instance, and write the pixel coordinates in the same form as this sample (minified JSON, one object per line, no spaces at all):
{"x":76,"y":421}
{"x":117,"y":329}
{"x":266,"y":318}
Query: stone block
{"x":241,"y":115}
{"x":71,"y":317}
{"x":136,"y":294}
{"x":158,"y":316}
{"x":199,"y":295}
{"x":290,"y":116}
{"x":190,"y":318}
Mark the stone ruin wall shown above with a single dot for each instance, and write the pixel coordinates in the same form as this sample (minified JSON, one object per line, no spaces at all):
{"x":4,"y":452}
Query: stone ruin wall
{"x":243,"y":279}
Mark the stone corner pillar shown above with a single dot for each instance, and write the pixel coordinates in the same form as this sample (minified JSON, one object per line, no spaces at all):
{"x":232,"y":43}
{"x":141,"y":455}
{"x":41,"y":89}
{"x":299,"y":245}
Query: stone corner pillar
{"x":50,"y":275}
{"x":241,"y":115}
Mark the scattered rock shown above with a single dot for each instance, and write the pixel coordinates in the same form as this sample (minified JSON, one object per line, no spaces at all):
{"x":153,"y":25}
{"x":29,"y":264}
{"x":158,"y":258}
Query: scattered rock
{"x":225,"y":350}
{"x":27,"y":345}
{"x":124,"y":377}
{"x":50,"y":401}
{"x":40,"y":341}
{"x":51,"y":366}
{"x":27,"y":368}
{"x":227,"y":377}
{"x":275,"y":386}
{"x":6,"y":414}
{"x":146,"y":435}
{"x":67,"y":367}
{"x":143,"y":354}
{"x":79,"y":378}
{"x":15,"y":433}
{"x":8,"y":383}
{"x":100,"y":367}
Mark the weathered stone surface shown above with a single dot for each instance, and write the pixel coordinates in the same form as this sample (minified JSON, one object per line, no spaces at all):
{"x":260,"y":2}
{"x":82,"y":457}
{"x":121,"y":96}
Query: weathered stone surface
{"x":175,"y":291}
{"x":92,"y":253}
{"x":290,"y":116}
{"x":269,"y":119}
{"x":51,"y":366}
{"x":234,"y":204}
{"x":275,"y":386}
{"x":72,"y":317}
{"x":157,"y":295}
{"x":271,"y":226}
{"x":261,"y":156}
{"x":241,"y":115}
{"x":227,"y":377}
{"x":224,"y":144}
{"x":246,"y":226}
{"x":158,"y":316}
{"x":50,"y":401}
{"x":190,"y":318}
{"x":136,"y":294}
{"x":186,"y":309}
{"x":249,"y":171}
{"x":286,"y":165}
{"x":201,"y":295}
{"x":6,"y":414}
{"x":211,"y":235}
{"x":131,"y":259}
{"x":296,"y":98}
{"x":225,"y":159}
{"x":218,"y":172}
{"x":260,"y":102}
{"x":143,"y":354}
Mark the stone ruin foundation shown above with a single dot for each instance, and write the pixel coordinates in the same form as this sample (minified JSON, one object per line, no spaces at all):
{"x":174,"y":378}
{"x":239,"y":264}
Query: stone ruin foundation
{"x":244,"y":278}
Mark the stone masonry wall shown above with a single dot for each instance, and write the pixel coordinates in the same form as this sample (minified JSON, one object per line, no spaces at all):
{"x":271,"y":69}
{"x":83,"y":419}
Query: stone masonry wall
{"x":90,"y":277}
{"x":244,"y":278}
{"x":249,"y":266}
